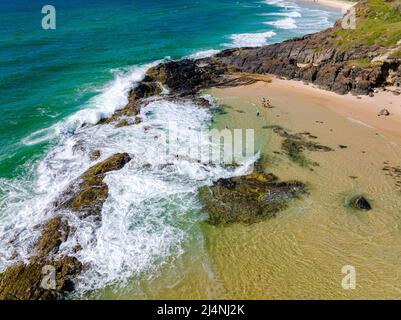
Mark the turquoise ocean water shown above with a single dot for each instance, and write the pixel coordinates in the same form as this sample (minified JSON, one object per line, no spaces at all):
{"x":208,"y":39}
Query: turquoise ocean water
{"x":52,"y":81}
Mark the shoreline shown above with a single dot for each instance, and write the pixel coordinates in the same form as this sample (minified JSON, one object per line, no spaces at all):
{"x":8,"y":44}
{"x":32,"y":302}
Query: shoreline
{"x":362,"y":110}
{"x":334,"y":4}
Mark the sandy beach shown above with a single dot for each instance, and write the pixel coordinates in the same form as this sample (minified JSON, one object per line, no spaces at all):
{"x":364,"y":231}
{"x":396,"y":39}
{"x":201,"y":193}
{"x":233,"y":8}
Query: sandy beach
{"x":337,"y":4}
{"x":363,"y":110}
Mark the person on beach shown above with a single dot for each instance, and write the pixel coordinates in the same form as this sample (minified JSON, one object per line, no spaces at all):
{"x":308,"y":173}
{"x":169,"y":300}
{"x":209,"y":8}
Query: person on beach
{"x":266,"y":103}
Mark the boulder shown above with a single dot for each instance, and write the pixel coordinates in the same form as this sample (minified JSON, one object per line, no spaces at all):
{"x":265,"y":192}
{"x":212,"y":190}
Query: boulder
{"x":360,"y":203}
{"x":384,"y":112}
{"x":248,"y":199}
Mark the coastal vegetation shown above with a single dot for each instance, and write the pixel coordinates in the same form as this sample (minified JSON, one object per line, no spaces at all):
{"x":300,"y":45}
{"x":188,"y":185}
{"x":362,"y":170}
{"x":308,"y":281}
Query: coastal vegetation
{"x":378,"y":22}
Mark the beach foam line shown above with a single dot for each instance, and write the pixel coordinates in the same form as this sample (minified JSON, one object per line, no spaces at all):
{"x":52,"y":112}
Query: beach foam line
{"x":291,"y":14}
{"x":286,"y":23}
{"x":282,"y":4}
{"x":360,"y":122}
{"x":250,"y":39}
{"x":203,"y":54}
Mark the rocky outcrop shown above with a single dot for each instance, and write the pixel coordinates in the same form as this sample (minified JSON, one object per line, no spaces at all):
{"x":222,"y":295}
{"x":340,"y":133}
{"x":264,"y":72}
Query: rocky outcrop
{"x":86,"y":195}
{"x":384,"y":112}
{"x":48,"y":274}
{"x":303,"y":59}
{"x":360,"y":203}
{"x":248,"y":199}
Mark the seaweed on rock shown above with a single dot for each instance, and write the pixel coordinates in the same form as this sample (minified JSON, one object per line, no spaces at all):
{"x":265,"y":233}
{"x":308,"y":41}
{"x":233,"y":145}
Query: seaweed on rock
{"x":248,"y":199}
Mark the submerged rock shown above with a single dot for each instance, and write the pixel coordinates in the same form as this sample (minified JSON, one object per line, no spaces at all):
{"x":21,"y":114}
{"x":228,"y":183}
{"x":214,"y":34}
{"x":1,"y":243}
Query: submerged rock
{"x":248,"y":199}
{"x":360,"y":203}
{"x":94,"y":155}
{"x":294,"y":145}
{"x":202,"y":102}
{"x":123,"y":123}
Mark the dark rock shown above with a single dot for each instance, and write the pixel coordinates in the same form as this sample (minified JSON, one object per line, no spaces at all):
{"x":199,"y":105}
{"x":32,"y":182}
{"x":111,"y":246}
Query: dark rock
{"x":87,"y":194}
{"x":248,"y":199}
{"x":145,"y":90}
{"x":186,"y":76}
{"x":384,"y":112}
{"x":123,"y":123}
{"x":54,"y":233}
{"x":360,"y":203}
{"x":202,"y":102}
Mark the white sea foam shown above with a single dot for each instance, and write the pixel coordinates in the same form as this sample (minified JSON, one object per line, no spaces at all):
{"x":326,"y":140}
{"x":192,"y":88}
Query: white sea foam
{"x":286,"y":23}
{"x":301,"y":19}
{"x":203,"y":54}
{"x":250,"y":39}
{"x":282,"y":4}
{"x":297,"y":19}
{"x":291,"y":14}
